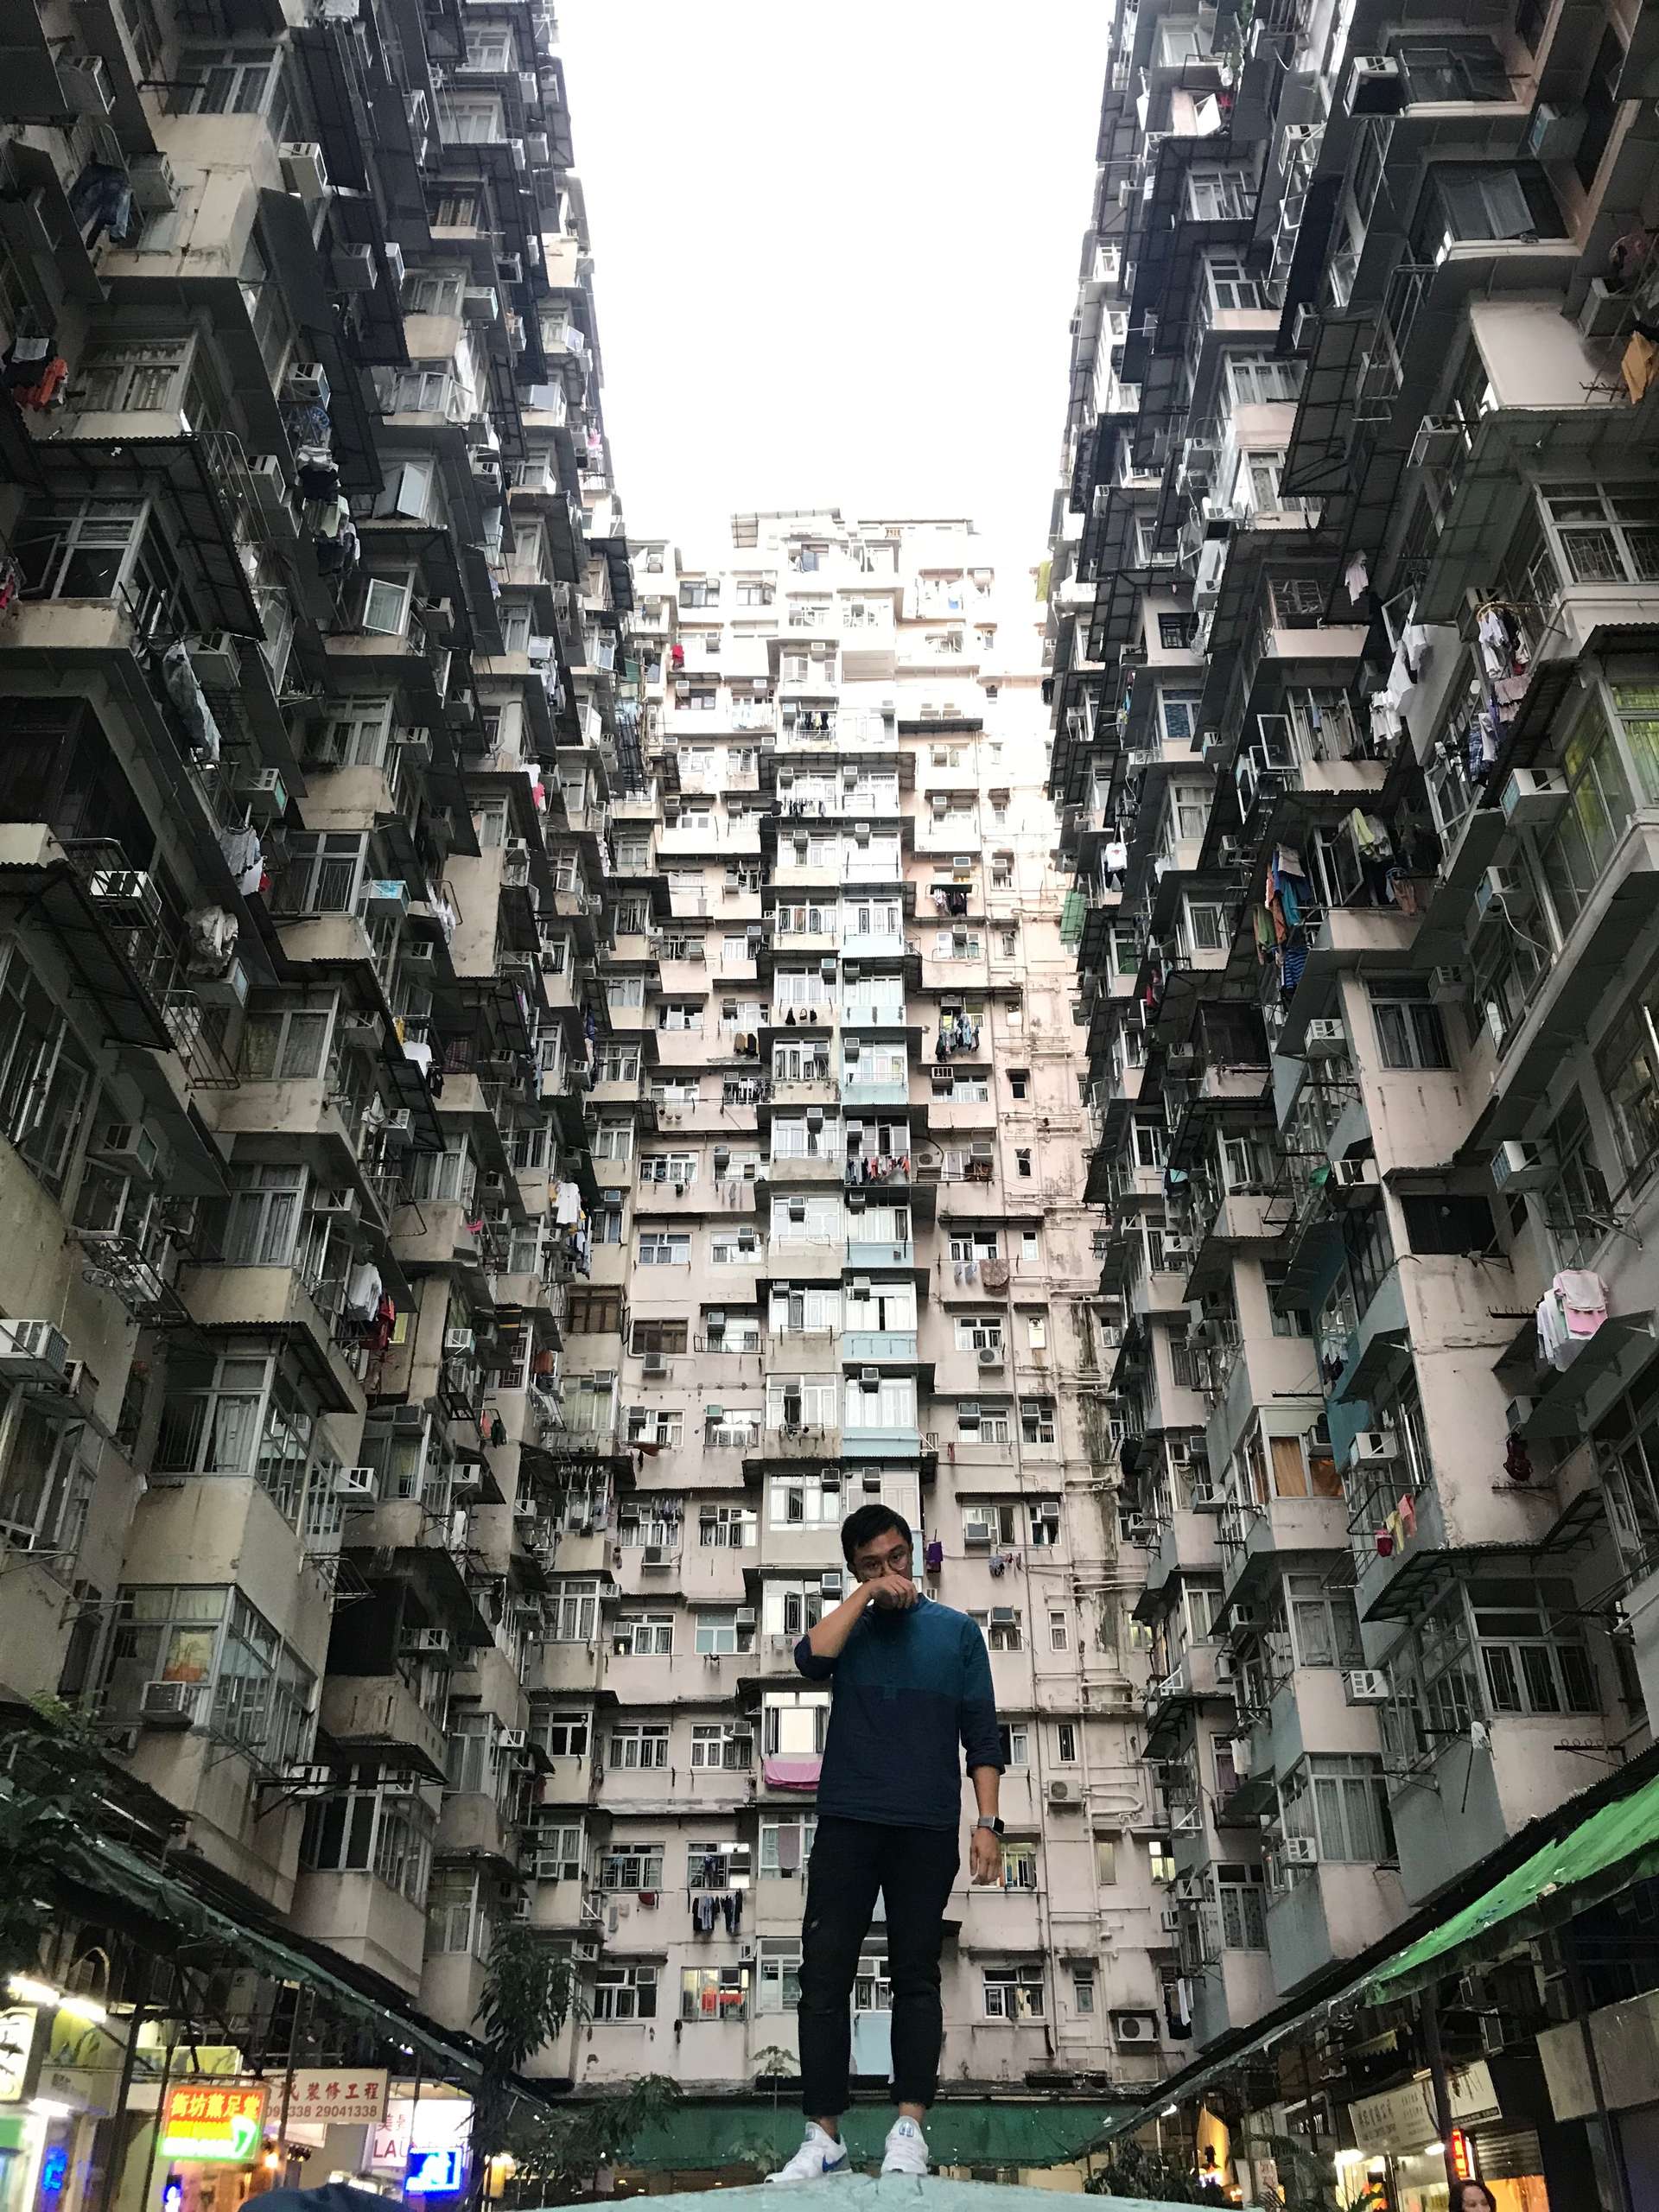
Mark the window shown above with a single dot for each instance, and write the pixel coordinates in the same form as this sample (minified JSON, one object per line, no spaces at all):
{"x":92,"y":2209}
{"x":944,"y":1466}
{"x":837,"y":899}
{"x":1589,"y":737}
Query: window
{"x":658,"y":1337}
{"x":639,"y":1747}
{"x":1045,"y":1523}
{"x":624,"y":1994}
{"x":794,"y":1722}
{"x":1256,"y":379}
{"x":786,"y":1843}
{"x":1037,"y":1420}
{"x":1000,"y":1628}
{"x":594,"y":1313}
{"x":1066,"y":1743}
{"x":1341,"y":1800}
{"x":779,"y":1966}
{"x":1059,"y":1630}
{"x":1016,"y":1746}
{"x":1627,"y":1066}
{"x":732,"y":1528}
{"x":1409,"y":1031}
{"x":1106,"y":1861}
{"x":664,"y":1248}
{"x":1485,"y":200}
{"x":981,"y":1424}
{"x":46,"y":1077}
{"x":631,"y":1866}
{"x":1243,"y":1907}
{"x":1177,"y":632}
{"x":233,"y":80}
{"x":242,"y":1414}
{"x":118,"y":375}
{"x":714,"y":1994}
{"x":1015,"y":1994}
{"x":720,"y":1635}
{"x":562,"y":1735}
{"x":721,"y":1747}
{"x":573,"y":1613}
{"x":1598,"y":807}
{"x":46,"y":1486}
{"x":362,"y":1826}
{"x":1083,"y":1989}
{"x":644,"y":1636}
{"x":255,"y":1693}
{"x":1019,"y":1865}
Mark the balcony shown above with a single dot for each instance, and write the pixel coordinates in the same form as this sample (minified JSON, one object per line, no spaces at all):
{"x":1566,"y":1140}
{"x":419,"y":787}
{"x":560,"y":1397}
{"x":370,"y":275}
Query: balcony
{"x":878,"y":1347}
{"x":380,"y":1714}
{"x":863,"y":1254}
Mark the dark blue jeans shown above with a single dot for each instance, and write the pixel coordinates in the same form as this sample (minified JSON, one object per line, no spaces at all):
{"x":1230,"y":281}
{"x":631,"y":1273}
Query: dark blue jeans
{"x":913,"y":1869}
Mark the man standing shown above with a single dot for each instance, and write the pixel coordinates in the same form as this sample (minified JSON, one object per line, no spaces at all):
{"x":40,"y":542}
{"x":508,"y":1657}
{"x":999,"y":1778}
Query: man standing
{"x":912,"y":1682}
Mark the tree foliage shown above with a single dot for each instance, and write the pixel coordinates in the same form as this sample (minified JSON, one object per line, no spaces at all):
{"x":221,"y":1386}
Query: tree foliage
{"x":52,"y":1783}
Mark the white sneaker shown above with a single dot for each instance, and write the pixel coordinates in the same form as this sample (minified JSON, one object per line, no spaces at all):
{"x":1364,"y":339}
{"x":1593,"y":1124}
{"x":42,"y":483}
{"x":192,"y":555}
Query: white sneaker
{"x":907,"y":2148}
{"x":820,"y":2154}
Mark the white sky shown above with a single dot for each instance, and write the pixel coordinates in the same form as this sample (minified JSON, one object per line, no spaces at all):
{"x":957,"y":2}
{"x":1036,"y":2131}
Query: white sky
{"x":836,"y":250}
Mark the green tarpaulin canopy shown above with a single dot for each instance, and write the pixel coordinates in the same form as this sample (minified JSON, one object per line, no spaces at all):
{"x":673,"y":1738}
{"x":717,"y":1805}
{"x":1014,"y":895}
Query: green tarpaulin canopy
{"x":753,"y":2131}
{"x":1071,"y":917}
{"x":1612,"y":1848}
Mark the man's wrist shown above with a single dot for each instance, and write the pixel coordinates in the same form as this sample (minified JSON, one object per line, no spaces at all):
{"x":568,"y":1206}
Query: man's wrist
{"x":989,"y":1821}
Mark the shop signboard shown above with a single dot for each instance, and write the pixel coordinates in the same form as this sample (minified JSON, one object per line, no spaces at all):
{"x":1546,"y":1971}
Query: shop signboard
{"x":338,"y":2097}
{"x":214,"y":2124}
{"x":17,"y":2041}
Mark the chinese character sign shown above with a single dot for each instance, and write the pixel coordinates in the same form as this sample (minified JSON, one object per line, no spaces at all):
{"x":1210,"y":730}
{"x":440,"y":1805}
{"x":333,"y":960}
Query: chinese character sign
{"x":221,"y":2123}
{"x":338,"y":2096}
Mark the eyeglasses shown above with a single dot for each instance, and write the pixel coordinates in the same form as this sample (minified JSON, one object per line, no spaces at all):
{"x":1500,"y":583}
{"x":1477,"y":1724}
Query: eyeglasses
{"x":897,"y":1561}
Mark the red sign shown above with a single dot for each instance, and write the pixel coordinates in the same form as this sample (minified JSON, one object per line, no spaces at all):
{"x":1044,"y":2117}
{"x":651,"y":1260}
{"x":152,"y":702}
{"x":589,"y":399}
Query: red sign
{"x":1463,"y":2156}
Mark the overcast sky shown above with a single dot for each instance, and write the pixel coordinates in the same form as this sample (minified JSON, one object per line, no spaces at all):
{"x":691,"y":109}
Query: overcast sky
{"x":836,"y":251}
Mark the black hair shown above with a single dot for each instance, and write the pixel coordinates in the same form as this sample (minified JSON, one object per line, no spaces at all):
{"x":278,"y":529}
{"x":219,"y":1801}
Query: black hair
{"x":1468,"y":2183}
{"x":868,"y":1524}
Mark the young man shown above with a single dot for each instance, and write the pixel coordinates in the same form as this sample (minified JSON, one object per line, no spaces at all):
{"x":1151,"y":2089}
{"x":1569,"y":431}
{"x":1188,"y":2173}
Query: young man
{"x":912,"y":1683}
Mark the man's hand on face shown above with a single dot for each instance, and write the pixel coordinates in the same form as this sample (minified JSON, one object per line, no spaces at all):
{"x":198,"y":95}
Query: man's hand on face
{"x":985,"y":1856}
{"x":892,"y":1593}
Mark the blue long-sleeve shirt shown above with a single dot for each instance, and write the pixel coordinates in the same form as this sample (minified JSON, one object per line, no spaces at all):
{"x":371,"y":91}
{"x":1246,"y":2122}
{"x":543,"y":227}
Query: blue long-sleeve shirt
{"x":909,"y":1688}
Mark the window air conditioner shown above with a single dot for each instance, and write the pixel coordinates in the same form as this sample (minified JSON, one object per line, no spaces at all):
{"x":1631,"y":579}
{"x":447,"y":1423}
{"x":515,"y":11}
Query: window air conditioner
{"x":1300,"y":1851}
{"x":1532,"y":799}
{"x":355,"y":1482}
{"x":1446,"y":986}
{"x":1519,"y":1165}
{"x":1324,"y":1040}
{"x":1438,"y":439}
{"x":1355,"y":1174}
{"x":130,"y":1147}
{"x":656,"y":1366}
{"x":1376,"y":86}
{"x":84,"y":80}
{"x":1366,"y":1686}
{"x":306,"y":385}
{"x":304,"y":170}
{"x":170,"y":1704}
{"x":32,"y":1352}
{"x":1372,"y":1447}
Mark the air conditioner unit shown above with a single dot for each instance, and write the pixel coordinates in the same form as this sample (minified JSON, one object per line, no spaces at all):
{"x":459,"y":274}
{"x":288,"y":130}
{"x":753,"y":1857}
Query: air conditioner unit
{"x":355,"y":1482}
{"x":1206,"y":1498}
{"x":975,"y":1532}
{"x":1372,"y":1447}
{"x":1061,"y":1793}
{"x":1366,"y":1686}
{"x":1305,"y":327}
{"x":1554,"y":133}
{"x":1376,"y":86}
{"x":1439,"y":438}
{"x":264,"y":792}
{"x":1138,"y":2028}
{"x":745,"y":1617}
{"x":1004,"y":1616}
{"x":1324,"y":1040}
{"x":991,"y":1356}
{"x":154,"y":186}
{"x":129,"y":1147}
{"x":84,"y":80}
{"x":459,"y":1340}
{"x":1519,"y":1165}
{"x":869,"y":1378}
{"x":1176,"y":1250}
{"x":304,"y":170}
{"x":586,"y":1948}
{"x":1355,"y":1174}
{"x":1532,"y":799}
{"x":125,"y":898}
{"x":1604,"y":313}
{"x":332,"y":1198}
{"x":1446,"y":986}
{"x":513,"y":1740}
{"x":657,"y":1555}
{"x":656,"y":1366}
{"x":170,"y":1704}
{"x":1300,"y":1851}
{"x":518,"y":1909}
{"x":398,"y":1128}
{"x":1491,"y":891}
{"x":306,"y":384}
{"x":481,"y":304}
{"x":32,"y":1352}
{"x":829,"y":1584}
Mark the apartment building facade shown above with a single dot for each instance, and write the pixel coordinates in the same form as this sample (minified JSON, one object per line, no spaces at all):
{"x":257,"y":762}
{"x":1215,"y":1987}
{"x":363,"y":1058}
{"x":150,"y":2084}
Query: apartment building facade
{"x":1349,"y":631}
{"x":317,"y":683}
{"x":843,"y":1255}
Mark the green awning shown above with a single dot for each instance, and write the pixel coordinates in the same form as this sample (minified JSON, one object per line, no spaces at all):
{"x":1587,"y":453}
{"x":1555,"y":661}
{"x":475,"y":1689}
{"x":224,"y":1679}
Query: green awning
{"x":1071,"y":917}
{"x":98,"y":1863}
{"x":985,"y":2132}
{"x":1604,"y":1853}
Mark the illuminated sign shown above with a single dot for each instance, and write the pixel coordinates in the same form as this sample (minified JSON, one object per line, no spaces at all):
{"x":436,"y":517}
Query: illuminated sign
{"x":221,"y":2125}
{"x":434,"y":2173}
{"x":1463,"y":2161}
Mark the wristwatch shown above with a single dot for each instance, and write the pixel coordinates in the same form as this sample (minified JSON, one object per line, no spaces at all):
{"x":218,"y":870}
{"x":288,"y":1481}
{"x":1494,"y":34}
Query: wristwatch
{"x":989,"y":1820}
